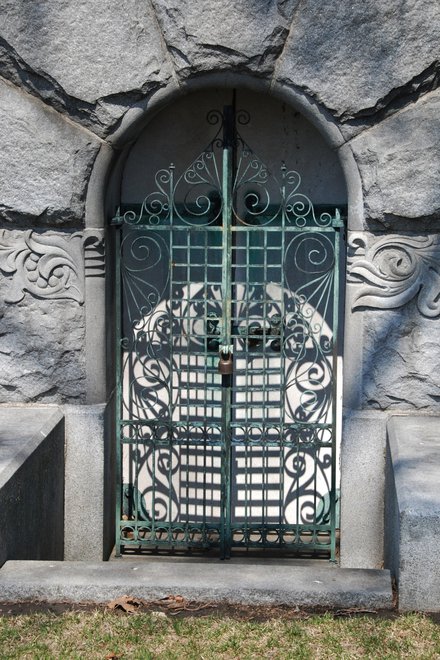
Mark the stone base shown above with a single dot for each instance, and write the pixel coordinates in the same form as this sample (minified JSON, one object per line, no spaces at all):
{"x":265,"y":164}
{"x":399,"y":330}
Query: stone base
{"x":289,"y":582}
{"x":412,"y":511}
{"x":89,"y":494}
{"x":362,"y":488}
{"x":31,"y":483}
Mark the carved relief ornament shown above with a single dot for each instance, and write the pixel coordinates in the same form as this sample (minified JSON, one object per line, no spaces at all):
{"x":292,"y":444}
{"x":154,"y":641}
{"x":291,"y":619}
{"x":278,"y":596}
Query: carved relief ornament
{"x":393,"y":270}
{"x":47,"y":265}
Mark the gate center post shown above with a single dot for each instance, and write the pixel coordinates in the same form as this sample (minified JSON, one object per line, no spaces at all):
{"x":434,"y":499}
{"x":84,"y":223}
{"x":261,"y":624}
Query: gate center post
{"x":228,"y":140}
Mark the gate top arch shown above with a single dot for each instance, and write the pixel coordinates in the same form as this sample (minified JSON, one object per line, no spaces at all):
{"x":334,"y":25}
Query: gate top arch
{"x":105,"y":177}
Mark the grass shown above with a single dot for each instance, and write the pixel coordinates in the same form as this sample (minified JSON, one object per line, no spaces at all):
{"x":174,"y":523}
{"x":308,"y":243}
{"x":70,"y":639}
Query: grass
{"x":154,"y":635}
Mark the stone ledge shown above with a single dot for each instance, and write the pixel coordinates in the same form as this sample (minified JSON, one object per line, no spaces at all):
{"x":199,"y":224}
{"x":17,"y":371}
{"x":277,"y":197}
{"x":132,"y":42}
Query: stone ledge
{"x":303,"y":583}
{"x":22,"y":429}
{"x":31,"y":482}
{"x":412,"y":510}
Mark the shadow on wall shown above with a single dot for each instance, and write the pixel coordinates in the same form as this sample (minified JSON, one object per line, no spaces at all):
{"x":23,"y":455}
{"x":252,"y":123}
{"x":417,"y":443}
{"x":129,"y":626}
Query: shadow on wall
{"x":31,"y":483}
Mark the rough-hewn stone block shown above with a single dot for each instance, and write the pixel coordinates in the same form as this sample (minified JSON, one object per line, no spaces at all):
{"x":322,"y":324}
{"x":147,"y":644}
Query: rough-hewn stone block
{"x":399,"y":161}
{"x":401,"y":360}
{"x":352,"y":56}
{"x":90,"y":51}
{"x":45,"y":162}
{"x":226,"y":34}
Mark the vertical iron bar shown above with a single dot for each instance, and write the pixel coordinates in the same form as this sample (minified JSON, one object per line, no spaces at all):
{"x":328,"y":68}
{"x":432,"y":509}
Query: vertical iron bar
{"x":205,"y":387}
{"x":265,"y":407}
{"x":248,"y":393}
{"x":118,"y":403}
{"x":189,"y":376}
{"x":334,"y":391}
{"x":228,"y":140}
{"x":283,"y":327}
{"x":170,"y":339}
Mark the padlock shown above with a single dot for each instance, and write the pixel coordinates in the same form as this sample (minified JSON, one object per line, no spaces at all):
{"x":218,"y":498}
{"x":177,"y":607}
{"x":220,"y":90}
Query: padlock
{"x":225,"y":364}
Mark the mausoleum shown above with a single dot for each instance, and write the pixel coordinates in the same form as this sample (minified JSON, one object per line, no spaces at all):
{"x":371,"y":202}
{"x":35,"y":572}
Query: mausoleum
{"x":220,"y":285}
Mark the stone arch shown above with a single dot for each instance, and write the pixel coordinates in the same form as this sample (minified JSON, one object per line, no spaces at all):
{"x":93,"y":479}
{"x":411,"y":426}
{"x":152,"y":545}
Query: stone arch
{"x":103,"y":188}
{"x":105,"y":183}
{"x":108,"y":161}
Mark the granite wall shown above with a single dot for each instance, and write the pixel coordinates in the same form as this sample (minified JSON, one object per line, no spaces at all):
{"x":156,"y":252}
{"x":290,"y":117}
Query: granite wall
{"x":78,"y":82}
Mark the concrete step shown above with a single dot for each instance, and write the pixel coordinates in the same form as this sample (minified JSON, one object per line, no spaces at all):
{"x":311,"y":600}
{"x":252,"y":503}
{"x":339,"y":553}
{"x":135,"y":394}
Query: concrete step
{"x":299,"y":583}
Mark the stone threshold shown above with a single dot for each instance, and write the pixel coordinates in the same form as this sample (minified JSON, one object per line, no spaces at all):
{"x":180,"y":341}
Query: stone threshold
{"x":299,"y":583}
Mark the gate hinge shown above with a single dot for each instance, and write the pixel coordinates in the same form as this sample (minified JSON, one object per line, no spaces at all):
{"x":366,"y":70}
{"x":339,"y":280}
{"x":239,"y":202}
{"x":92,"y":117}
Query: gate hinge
{"x":338,"y":220}
{"x":118,"y":219}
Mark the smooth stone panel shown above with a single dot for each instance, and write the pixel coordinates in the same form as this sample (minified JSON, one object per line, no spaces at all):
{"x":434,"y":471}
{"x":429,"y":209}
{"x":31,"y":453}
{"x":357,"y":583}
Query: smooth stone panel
{"x":362,"y":489}
{"x":86,"y":491}
{"x":276,"y":134}
{"x":31,"y":483}
{"x":412,"y":520}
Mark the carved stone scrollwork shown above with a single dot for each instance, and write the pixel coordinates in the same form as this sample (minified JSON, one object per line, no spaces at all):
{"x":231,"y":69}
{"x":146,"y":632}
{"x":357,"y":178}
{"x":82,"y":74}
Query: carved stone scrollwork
{"x":49,"y":265}
{"x":94,"y":255}
{"x":393,"y":270}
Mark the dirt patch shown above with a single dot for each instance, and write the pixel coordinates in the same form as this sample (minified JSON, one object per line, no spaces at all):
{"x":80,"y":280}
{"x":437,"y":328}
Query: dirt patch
{"x":175,"y":606}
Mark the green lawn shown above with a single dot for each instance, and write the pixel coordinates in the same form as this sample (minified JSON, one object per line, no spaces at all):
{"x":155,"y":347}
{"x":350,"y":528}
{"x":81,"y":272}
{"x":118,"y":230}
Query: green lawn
{"x":144,"y":634}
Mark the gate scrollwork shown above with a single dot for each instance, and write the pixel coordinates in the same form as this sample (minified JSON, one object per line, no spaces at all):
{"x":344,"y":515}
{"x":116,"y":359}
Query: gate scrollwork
{"x":202,"y":453}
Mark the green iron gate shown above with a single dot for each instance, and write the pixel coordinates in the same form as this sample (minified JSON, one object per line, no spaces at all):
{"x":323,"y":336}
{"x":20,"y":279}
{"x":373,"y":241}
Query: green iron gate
{"x":227,"y":298}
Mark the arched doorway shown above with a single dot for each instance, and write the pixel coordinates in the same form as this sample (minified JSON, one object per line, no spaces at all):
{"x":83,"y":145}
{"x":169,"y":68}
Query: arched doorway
{"x":228,"y":260}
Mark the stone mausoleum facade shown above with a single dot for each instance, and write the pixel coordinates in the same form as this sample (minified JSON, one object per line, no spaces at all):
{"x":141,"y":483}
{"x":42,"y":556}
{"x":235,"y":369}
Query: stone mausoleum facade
{"x":95,"y":98}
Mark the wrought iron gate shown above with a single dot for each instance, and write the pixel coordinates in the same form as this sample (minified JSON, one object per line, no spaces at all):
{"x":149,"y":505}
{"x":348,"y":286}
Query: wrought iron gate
{"x":227,"y":298}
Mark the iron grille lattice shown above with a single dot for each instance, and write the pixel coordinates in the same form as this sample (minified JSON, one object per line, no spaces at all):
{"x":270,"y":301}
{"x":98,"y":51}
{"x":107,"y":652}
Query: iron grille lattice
{"x":228,"y":257}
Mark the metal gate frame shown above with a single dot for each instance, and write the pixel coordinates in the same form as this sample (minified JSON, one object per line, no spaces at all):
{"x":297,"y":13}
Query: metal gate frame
{"x":137,"y":529}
